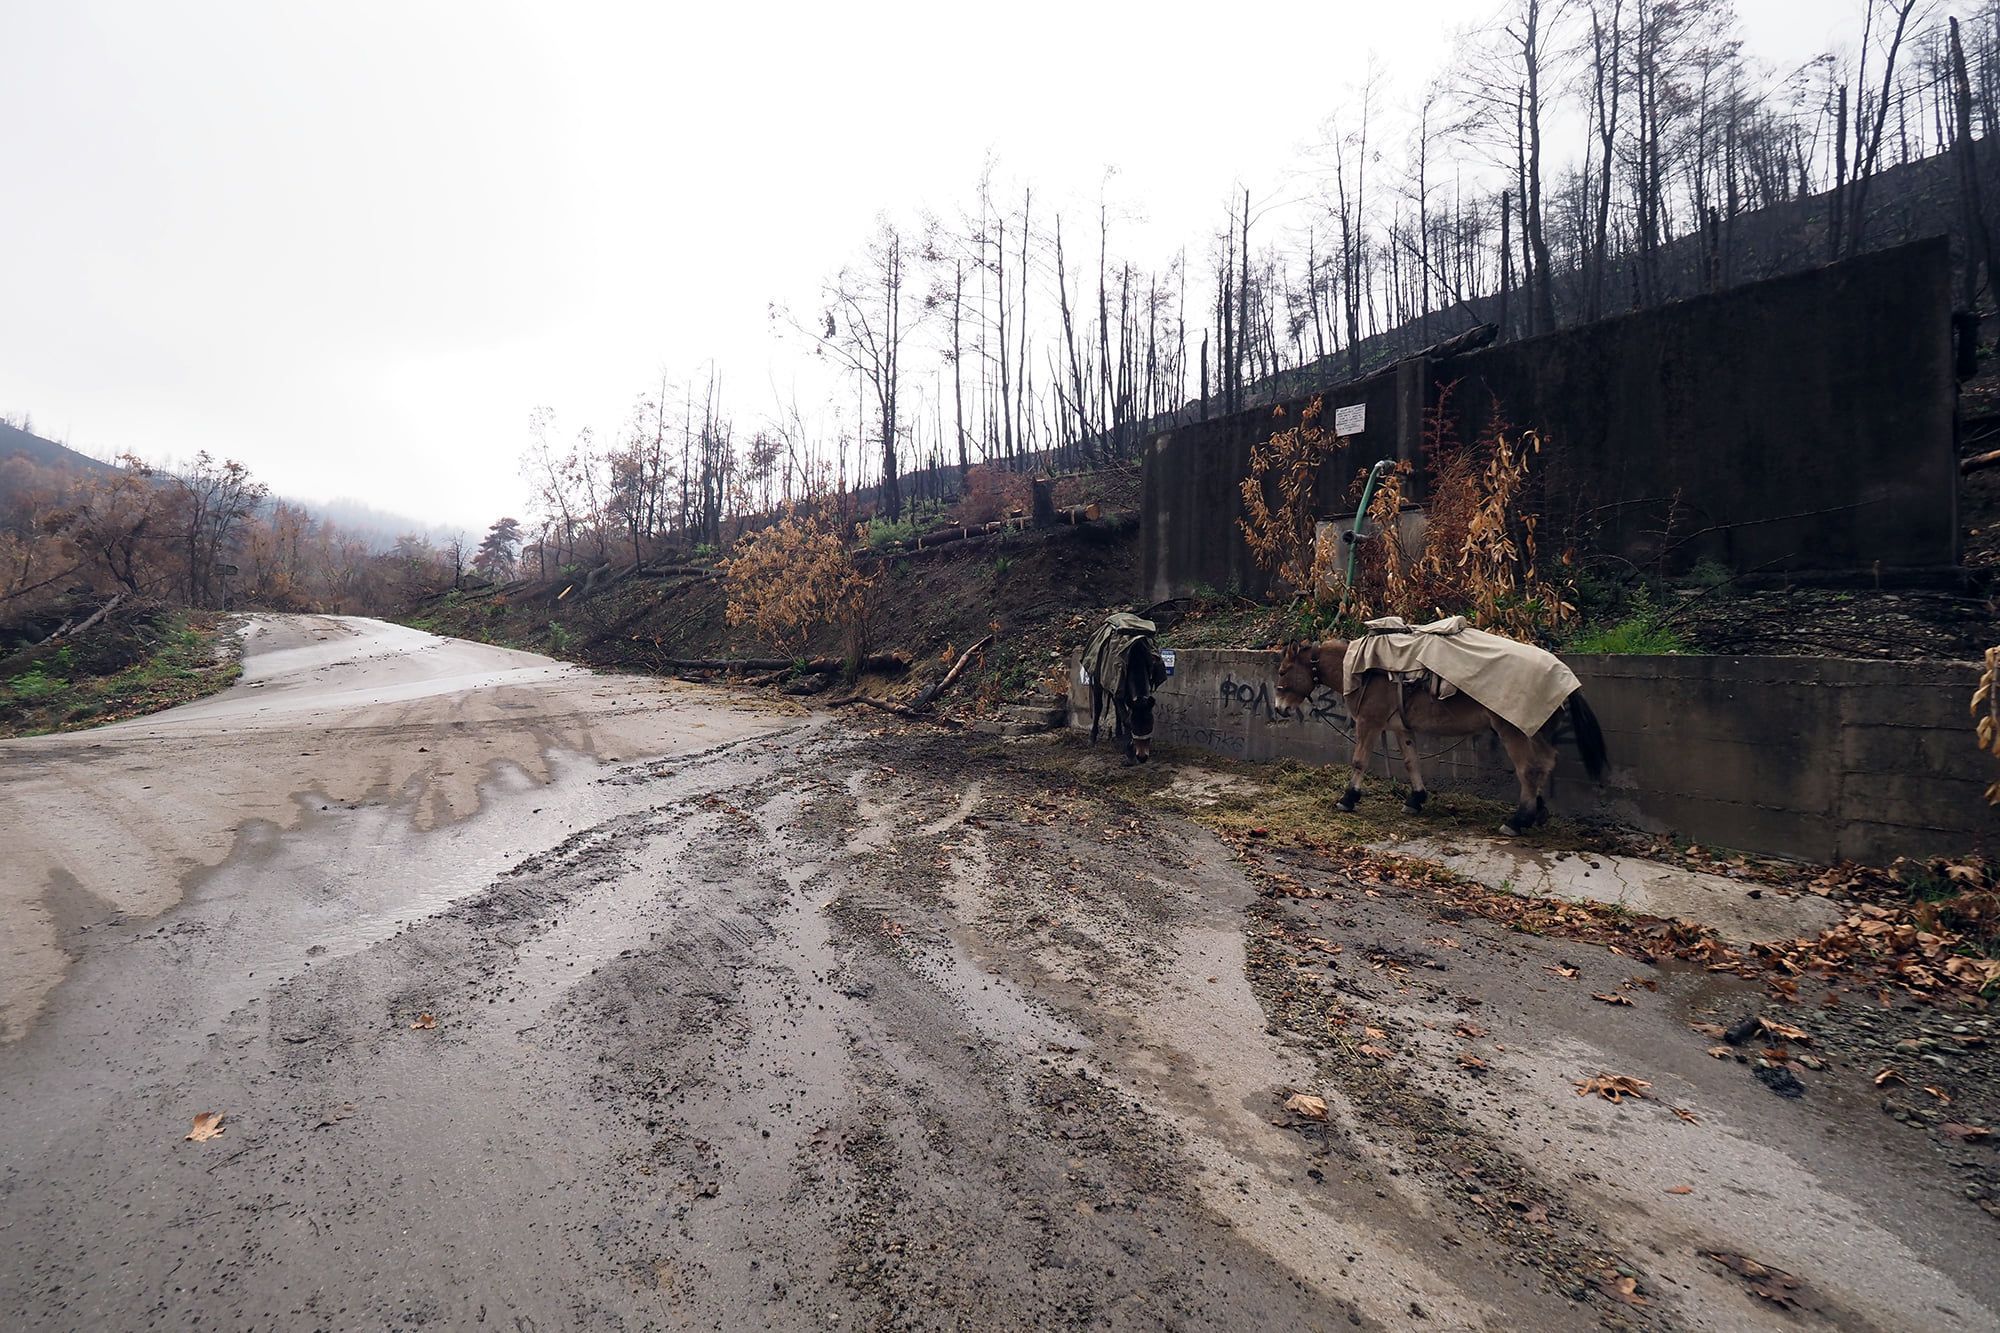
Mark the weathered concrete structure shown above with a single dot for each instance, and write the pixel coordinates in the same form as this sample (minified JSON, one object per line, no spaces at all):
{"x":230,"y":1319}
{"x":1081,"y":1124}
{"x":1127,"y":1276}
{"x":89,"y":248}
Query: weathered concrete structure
{"x":1803,"y":425}
{"x":1817,"y":758}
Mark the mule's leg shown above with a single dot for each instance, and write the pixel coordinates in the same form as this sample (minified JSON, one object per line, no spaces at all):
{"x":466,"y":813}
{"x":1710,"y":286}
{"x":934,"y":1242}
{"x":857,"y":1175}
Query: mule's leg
{"x":1364,"y":745}
{"x":1406,"y":741}
{"x":1544,"y":775}
{"x":1520,"y":749}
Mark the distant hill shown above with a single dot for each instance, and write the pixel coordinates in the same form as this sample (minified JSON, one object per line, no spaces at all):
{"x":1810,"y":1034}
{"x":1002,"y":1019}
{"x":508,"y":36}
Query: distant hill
{"x":46,"y":453}
{"x":379,"y":528}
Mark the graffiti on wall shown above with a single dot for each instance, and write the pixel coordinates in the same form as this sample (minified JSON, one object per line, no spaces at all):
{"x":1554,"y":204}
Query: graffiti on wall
{"x":1255,"y":698}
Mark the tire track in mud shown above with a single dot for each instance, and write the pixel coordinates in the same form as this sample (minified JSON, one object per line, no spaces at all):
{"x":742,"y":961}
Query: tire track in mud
{"x":809,"y":1027}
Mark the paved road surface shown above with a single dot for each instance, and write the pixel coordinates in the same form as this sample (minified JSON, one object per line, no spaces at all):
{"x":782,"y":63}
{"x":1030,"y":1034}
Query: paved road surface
{"x":747,"y":1018}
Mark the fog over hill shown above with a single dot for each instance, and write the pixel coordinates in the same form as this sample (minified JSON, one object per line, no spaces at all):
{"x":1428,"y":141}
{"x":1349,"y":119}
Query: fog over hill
{"x":378,"y":527}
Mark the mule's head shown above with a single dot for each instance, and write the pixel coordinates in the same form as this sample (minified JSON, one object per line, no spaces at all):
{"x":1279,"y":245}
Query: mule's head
{"x":1142,"y":728}
{"x":1298,"y":676}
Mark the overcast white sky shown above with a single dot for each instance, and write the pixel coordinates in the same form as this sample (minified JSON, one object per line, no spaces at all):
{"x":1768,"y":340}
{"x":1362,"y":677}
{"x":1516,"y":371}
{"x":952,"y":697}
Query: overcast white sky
{"x":354,"y":244}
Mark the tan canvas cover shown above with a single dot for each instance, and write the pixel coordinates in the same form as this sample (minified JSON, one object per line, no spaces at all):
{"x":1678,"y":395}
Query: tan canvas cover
{"x":1519,"y":681}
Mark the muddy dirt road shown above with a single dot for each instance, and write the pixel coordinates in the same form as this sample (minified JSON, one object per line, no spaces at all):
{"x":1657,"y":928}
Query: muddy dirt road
{"x":534,"y":999}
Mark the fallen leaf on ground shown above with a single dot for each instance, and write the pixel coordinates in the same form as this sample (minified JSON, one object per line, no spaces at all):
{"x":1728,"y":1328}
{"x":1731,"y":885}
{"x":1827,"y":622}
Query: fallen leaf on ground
{"x":1888,"y":1075}
{"x":1940,"y":1094}
{"x":1680,"y":1189}
{"x":1467,"y":1060}
{"x":1708,"y":1029}
{"x":336,"y":1115}
{"x":1564,"y":972}
{"x":1374,"y":1034}
{"x":1612,"y":1087}
{"x":1375,"y":1052}
{"x":1307,"y":1105}
{"x":1530,"y":1212}
{"x":206,"y":1126}
{"x":1950,"y":1129}
{"x":1721,"y":1052}
{"x":1611,"y":997}
{"x":1785,"y":1030}
{"x":1685,"y":1114}
{"x":424,"y":1022}
{"x":1773,"y":1284}
{"x":1624,"y":1289}
{"x":1470,"y":1030}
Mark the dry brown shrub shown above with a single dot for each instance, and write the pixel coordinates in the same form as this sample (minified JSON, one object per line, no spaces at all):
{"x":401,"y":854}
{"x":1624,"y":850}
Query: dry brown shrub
{"x":1279,"y":517}
{"x":992,"y":493}
{"x":1477,"y":555}
{"x":1986,"y":707}
{"x":795,"y":577}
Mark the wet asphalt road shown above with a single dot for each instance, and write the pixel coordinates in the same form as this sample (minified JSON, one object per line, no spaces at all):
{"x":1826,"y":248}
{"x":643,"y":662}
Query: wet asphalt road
{"x":535,"y":999}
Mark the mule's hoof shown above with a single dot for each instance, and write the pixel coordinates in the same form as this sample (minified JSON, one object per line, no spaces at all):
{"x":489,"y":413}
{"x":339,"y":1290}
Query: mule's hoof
{"x":1415,"y":804}
{"x":1349,"y":801}
{"x":1509,"y":831}
{"x":1541,"y":811}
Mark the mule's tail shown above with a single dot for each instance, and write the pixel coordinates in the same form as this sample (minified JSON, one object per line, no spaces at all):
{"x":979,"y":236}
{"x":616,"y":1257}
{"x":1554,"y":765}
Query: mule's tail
{"x":1589,"y":736}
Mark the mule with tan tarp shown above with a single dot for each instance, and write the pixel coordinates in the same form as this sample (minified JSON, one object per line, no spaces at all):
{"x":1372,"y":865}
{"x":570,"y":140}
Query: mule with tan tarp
{"x":1447,"y":679}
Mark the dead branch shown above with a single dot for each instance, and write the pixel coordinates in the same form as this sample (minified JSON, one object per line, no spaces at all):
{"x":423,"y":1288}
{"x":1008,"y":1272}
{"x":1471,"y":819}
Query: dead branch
{"x":1979,"y":463}
{"x":66,"y":632}
{"x":896,"y":710}
{"x":930,"y":694}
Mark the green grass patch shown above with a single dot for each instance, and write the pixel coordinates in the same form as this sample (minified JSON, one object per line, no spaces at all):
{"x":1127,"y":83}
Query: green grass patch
{"x":178,"y":657}
{"x":1641,"y":634}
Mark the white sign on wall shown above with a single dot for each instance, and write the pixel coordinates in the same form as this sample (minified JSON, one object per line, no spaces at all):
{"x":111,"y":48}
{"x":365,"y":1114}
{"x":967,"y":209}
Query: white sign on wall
{"x":1350,"y":421}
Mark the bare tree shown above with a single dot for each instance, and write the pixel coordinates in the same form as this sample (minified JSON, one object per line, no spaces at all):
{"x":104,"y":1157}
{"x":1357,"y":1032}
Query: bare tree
{"x":864,"y":329}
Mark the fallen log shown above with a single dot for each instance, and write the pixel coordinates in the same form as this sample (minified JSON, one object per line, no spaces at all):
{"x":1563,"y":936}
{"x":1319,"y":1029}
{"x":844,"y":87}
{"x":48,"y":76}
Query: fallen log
{"x":1082,"y":520}
{"x":883,"y":662}
{"x":931,"y":692}
{"x":1474,"y":338}
{"x":67,"y":632}
{"x":1978,"y":463}
{"x":678,"y":571}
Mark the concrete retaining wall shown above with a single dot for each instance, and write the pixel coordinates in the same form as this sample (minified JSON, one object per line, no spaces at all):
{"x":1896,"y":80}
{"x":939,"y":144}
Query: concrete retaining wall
{"x":1817,"y":758}
{"x":1806,"y":424}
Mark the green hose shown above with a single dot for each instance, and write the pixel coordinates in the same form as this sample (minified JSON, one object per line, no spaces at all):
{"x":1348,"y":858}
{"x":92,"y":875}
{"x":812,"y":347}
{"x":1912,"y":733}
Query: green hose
{"x":1361,"y":516}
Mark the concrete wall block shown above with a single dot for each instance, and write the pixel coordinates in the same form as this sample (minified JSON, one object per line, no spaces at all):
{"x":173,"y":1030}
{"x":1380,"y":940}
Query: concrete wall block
{"x":1821,"y":758}
{"x":1843,"y":460}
